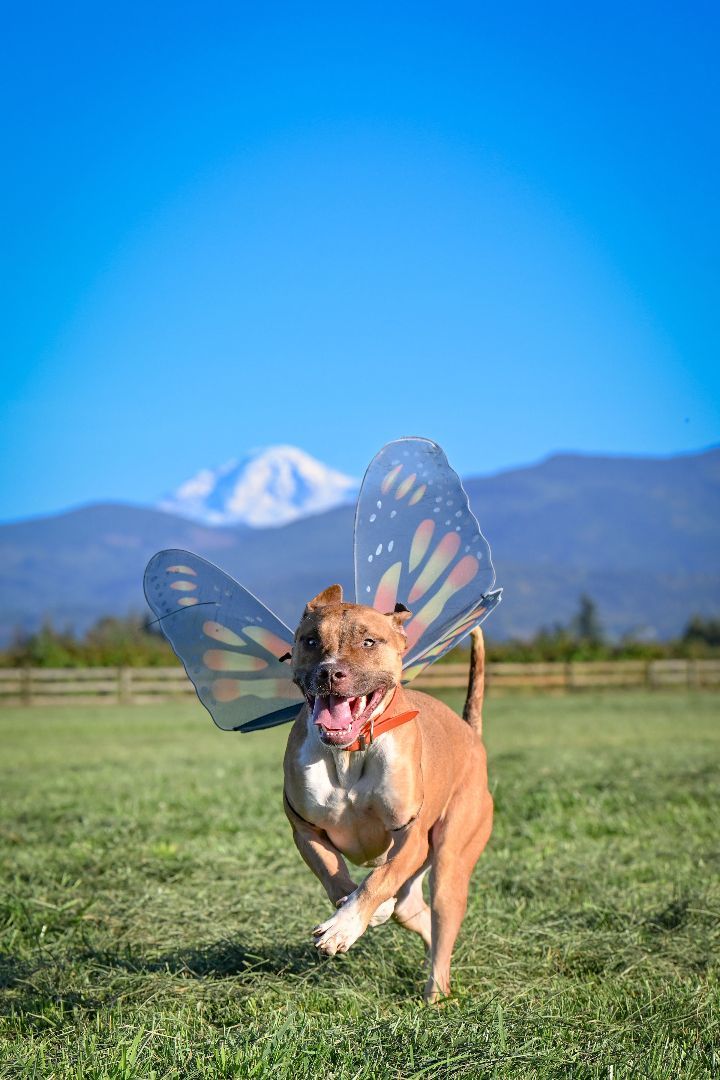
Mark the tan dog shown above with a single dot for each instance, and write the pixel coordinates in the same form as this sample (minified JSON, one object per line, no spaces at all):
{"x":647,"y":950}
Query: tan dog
{"x":416,"y":798}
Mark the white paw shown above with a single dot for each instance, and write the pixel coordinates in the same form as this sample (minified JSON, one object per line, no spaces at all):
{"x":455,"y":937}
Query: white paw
{"x":380,"y":915}
{"x":337,"y":934}
{"x":383,"y":913}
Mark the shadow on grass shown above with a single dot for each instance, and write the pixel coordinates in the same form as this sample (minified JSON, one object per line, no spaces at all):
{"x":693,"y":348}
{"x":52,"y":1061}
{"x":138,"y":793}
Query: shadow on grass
{"x":48,"y":987}
{"x":52,"y":985}
{"x":220,"y":960}
{"x":12,"y":970}
{"x":226,"y":959}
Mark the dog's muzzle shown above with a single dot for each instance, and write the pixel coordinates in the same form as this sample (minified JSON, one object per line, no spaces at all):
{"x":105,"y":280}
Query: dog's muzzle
{"x":341,"y":719}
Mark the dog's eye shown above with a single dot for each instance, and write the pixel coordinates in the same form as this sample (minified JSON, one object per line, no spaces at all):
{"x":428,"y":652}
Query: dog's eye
{"x":368,"y":643}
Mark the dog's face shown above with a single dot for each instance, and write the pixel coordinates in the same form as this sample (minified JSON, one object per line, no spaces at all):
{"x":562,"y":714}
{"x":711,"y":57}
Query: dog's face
{"x":345,"y":660}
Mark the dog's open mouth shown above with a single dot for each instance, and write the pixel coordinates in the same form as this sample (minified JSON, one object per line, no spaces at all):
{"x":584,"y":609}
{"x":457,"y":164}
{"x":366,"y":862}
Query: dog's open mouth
{"x":341,"y":719}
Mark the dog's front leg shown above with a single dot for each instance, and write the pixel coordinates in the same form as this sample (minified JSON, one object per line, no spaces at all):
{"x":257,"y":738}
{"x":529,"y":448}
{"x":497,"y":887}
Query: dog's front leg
{"x":321,"y":856}
{"x":408,"y":853}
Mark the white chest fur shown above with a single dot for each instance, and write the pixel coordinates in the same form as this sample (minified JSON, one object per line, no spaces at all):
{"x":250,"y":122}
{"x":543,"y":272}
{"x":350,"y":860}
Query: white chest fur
{"x":332,"y":780}
{"x":347,"y":794}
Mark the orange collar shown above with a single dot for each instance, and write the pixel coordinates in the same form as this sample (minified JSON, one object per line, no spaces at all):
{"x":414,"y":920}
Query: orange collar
{"x":393,"y":716}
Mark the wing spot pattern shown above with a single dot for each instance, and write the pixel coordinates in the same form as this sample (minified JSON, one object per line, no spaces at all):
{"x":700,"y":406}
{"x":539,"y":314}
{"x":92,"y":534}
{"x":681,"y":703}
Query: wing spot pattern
{"x":218,"y":632}
{"x":455,"y":631}
{"x":390,"y":479}
{"x":223,"y":660}
{"x":225,"y":690}
{"x":417,"y":495}
{"x":440,"y":559}
{"x":386,"y":593}
{"x":268,"y":641}
{"x":421,"y":542}
{"x":461,"y":575}
{"x":405,"y":486}
{"x":188,"y":601}
{"x":266,"y":689}
{"x":181,"y":570}
{"x":183,"y":586}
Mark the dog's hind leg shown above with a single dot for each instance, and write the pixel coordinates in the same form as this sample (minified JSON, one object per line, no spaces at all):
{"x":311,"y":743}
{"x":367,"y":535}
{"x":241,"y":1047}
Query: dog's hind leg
{"x":411,"y":910}
{"x":458,"y":843}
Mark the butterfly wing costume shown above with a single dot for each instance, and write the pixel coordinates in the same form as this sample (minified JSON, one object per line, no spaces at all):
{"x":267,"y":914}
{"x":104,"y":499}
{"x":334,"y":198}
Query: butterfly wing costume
{"x":416,"y":542}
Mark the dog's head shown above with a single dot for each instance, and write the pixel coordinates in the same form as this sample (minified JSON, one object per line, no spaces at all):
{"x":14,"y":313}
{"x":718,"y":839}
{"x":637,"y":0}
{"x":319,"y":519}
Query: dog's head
{"x":346,"y":660}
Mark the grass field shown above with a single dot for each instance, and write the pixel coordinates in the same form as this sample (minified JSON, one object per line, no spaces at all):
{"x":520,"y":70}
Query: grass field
{"x":156,"y":917}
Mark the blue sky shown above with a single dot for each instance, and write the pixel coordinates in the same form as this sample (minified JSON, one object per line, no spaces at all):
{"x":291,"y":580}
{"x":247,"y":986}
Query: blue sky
{"x":229,"y":226}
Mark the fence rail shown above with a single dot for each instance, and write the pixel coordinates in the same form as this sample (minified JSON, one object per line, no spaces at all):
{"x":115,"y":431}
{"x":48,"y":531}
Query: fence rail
{"x":145,"y":686}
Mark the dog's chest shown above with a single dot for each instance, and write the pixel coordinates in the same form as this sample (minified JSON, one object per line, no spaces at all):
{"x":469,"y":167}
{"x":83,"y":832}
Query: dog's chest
{"x":336,"y":788}
{"x":343,"y":796}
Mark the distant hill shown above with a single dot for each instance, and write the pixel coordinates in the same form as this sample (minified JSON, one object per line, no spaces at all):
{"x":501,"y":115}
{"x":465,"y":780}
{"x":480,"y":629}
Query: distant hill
{"x":641,"y":536}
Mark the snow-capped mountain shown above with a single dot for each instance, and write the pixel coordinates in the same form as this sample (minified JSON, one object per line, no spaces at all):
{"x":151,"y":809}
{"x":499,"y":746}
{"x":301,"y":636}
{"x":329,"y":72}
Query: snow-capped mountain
{"x":271,"y":486}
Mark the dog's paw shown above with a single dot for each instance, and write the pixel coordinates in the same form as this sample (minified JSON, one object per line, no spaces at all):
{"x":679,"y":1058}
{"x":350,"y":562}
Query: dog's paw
{"x":337,"y":934}
{"x":437,"y":993}
{"x":383,"y":913}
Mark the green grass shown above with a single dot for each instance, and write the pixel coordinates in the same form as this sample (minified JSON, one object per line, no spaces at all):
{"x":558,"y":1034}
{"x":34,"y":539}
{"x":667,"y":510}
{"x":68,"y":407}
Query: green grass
{"x":156,"y":918}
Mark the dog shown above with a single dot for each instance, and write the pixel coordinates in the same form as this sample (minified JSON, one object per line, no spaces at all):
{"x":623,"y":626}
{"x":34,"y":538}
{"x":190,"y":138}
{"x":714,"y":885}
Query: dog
{"x":387,"y":778}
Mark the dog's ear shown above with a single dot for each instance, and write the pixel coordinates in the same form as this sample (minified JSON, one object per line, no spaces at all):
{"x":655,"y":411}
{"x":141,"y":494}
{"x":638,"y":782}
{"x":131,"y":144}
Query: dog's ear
{"x":332,"y":595}
{"x":399,"y":616}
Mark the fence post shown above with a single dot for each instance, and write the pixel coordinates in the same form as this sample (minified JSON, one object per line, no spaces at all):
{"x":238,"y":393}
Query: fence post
{"x":693,"y":674}
{"x":26,"y":685}
{"x":569,"y":676}
{"x":125,"y":686}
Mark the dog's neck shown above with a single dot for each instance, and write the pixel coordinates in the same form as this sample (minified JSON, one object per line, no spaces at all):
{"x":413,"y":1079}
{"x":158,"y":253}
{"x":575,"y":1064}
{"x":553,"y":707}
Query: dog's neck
{"x":348,"y":766}
{"x":382,"y":706}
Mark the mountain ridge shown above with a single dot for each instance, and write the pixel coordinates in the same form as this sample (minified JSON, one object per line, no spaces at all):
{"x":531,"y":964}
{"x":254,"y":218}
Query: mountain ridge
{"x":640,"y":535}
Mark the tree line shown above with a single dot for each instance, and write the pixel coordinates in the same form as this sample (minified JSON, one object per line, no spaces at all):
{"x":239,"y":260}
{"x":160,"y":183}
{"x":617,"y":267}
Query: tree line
{"x":584,"y":638}
{"x":134,"y":641}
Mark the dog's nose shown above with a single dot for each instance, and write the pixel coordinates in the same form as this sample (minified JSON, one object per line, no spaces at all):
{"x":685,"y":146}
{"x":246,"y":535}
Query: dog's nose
{"x":334,"y":675}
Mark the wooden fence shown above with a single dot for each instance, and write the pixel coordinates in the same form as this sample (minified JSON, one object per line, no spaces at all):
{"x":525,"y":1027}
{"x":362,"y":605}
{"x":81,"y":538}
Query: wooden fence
{"x":146,"y":686}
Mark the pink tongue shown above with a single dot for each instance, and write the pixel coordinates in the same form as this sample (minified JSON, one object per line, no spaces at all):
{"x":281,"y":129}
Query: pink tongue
{"x":332,"y":712}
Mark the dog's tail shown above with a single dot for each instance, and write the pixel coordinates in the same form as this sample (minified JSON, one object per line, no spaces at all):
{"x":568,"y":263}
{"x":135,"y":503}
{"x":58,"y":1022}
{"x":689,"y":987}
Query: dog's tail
{"x":472,"y":713}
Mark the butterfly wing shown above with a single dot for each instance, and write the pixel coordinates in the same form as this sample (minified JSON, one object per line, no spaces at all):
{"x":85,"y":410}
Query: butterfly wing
{"x":455,"y":633}
{"x":229,"y":642}
{"x":418,"y":543}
